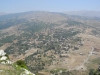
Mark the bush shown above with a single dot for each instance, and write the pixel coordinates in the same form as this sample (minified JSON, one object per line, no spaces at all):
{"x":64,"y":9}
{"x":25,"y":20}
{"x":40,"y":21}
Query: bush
{"x":21,"y":64}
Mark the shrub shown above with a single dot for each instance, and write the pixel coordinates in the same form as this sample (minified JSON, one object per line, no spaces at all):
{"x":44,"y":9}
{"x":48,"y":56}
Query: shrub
{"x":21,"y":64}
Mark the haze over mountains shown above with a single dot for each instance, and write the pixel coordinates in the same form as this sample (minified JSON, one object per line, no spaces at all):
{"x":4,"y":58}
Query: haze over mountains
{"x":80,"y":13}
{"x":85,"y":13}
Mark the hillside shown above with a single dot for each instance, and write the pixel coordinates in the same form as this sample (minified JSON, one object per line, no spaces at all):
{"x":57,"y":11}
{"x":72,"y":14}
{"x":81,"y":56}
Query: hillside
{"x":9,"y":68}
{"x":51,"y":43}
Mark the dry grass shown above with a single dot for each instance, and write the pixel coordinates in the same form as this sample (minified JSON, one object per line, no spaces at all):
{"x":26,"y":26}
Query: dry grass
{"x":5,"y":46}
{"x":9,"y":70}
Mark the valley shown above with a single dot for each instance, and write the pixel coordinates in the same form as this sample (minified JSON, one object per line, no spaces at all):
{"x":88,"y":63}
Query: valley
{"x":51,"y":43}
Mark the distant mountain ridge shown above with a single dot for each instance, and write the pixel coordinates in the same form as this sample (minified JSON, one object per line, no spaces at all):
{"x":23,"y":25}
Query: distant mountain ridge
{"x":94,"y":15}
{"x":37,"y":15}
{"x":84,"y":13}
{"x":2,"y":13}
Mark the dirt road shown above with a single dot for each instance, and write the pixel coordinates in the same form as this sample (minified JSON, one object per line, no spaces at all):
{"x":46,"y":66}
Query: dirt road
{"x":82,"y":66}
{"x":86,"y":60}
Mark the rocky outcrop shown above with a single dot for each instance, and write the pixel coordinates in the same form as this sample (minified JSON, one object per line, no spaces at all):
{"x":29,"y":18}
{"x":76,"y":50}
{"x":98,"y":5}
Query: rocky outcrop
{"x":2,"y":53}
{"x":4,"y":59}
{"x":26,"y":72}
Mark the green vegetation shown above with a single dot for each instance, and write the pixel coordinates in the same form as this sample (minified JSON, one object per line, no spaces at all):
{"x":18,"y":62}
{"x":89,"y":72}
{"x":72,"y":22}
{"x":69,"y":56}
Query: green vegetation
{"x":39,"y":74}
{"x":73,"y":23}
{"x":7,"y":39}
{"x":18,"y":47}
{"x":11,"y":72}
{"x":65,"y":33}
{"x":21,"y":64}
{"x":95,"y":32}
{"x":10,"y":22}
{"x":8,"y":69}
{"x":38,"y":63}
{"x":97,"y":60}
{"x":1,"y":44}
{"x":60,"y":72}
{"x":9,"y":51}
{"x":33,"y":27}
{"x":94,"y":72}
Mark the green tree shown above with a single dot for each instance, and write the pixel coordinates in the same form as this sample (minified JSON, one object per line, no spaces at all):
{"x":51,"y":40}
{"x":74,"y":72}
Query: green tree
{"x":21,"y":63}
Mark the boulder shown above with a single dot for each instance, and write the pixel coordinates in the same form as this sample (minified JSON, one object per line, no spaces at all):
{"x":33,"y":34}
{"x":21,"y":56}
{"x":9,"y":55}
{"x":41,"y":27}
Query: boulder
{"x":2,"y":53}
{"x":3,"y":58}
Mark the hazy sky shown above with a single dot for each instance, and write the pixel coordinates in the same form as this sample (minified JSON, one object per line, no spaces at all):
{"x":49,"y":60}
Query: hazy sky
{"x":14,"y":6}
